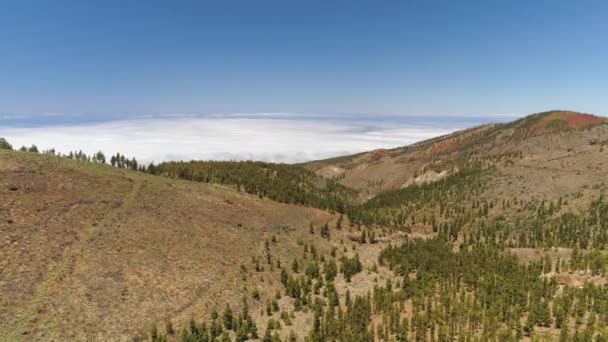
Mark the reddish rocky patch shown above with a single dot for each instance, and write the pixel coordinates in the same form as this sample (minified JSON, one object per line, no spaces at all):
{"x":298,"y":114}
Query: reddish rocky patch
{"x":576,"y":121}
{"x":376,"y":155}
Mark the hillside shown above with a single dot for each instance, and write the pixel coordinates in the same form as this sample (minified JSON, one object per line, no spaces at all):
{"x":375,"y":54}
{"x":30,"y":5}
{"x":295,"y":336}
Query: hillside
{"x":496,"y":232}
{"x":95,"y":252}
{"x":544,"y":136}
{"x":280,"y":182}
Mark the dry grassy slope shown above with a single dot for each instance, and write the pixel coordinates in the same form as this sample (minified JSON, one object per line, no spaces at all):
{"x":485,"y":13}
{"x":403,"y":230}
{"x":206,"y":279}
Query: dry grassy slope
{"x":542,"y":138}
{"x":94,"y":252}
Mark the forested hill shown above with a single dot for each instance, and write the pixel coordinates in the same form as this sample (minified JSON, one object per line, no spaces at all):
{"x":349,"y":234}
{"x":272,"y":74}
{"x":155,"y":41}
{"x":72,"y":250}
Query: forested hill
{"x":280,"y":182}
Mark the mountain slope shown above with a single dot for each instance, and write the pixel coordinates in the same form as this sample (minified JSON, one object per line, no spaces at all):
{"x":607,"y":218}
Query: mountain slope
{"x":95,"y":252}
{"x":550,"y":133}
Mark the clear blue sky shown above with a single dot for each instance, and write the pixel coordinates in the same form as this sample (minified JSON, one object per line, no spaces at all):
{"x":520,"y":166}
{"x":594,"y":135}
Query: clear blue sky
{"x":110,"y":59}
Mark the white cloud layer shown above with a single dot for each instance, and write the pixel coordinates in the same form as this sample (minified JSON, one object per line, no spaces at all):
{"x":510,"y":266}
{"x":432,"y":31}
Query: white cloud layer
{"x":257,"y":138}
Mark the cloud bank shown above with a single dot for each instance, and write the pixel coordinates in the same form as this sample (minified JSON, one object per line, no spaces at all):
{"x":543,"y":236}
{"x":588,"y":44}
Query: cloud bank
{"x":275,"y":138}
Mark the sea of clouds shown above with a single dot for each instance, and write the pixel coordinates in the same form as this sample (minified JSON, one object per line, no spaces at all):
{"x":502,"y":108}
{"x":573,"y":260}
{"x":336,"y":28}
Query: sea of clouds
{"x":269,"y":137}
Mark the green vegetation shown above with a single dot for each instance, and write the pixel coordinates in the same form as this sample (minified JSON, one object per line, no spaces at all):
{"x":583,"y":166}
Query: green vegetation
{"x":398,"y":208}
{"x":544,"y":226}
{"x":280,"y":182}
{"x":243,"y":328}
{"x":489,"y":289}
{"x":350,"y":267}
{"x":5,"y":145}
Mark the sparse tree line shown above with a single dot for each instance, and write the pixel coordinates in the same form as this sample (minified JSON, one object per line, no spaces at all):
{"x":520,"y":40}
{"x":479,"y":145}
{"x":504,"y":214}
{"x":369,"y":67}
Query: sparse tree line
{"x":280,"y":182}
{"x":118,"y":160}
{"x":219,"y":328}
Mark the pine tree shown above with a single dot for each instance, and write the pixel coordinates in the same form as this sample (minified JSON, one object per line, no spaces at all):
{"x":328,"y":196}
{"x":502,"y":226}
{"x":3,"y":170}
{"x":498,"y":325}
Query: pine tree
{"x":227,"y":318}
{"x":4,"y":144}
{"x":325,"y":231}
{"x":339,"y":222}
{"x":169,"y":328}
{"x":100,"y":157}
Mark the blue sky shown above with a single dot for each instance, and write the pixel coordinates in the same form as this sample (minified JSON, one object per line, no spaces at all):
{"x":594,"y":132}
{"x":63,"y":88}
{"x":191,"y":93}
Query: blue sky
{"x":287,"y":80}
{"x":114,"y":59}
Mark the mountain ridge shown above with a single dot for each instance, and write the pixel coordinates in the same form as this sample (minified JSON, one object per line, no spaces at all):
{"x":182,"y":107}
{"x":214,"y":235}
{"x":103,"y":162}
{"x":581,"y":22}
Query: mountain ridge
{"x":488,"y":139}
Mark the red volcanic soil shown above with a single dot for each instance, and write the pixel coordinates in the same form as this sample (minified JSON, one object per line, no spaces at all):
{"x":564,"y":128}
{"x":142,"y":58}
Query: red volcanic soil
{"x":376,"y":155}
{"x":577,"y":120}
{"x":583,"y":120}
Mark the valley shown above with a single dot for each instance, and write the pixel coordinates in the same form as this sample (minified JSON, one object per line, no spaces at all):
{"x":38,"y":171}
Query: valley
{"x":497,"y":232}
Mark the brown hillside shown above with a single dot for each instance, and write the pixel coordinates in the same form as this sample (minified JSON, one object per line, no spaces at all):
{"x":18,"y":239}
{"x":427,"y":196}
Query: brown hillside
{"x":90,"y":252}
{"x":572,"y":120}
{"x":576,"y":120}
{"x":537,"y":134}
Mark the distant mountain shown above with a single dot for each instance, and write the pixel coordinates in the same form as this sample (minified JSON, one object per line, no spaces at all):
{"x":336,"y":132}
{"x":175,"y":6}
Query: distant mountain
{"x":390,"y":169}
